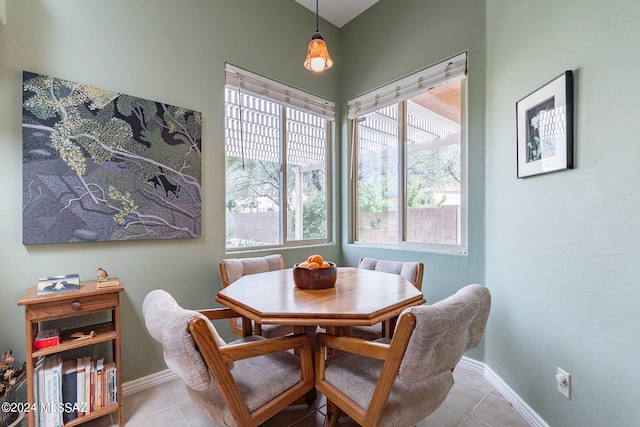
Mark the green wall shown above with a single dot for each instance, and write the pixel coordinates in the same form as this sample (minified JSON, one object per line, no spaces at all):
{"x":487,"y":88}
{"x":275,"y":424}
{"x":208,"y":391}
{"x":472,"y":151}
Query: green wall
{"x":165,"y":51}
{"x":558,"y":251}
{"x":562,"y":249}
{"x":394,"y":39}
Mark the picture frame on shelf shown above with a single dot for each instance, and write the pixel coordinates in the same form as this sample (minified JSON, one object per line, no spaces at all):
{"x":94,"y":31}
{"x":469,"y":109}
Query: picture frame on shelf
{"x":544,"y":128}
{"x":58,"y":284}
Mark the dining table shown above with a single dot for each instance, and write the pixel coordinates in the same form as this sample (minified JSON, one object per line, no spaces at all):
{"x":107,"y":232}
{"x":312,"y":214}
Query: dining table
{"x":360,"y":297}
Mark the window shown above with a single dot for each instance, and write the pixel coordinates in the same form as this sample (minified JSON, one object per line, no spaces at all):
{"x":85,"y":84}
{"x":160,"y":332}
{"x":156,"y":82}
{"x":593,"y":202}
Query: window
{"x":277,"y":155}
{"x":409,"y":145}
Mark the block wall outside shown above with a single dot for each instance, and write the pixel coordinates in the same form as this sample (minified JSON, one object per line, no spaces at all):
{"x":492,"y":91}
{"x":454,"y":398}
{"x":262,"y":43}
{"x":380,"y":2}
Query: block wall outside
{"x":432,"y":225}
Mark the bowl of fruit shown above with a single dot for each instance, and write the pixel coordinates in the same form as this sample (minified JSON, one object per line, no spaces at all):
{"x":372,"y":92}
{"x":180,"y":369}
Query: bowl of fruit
{"x":315,"y":273}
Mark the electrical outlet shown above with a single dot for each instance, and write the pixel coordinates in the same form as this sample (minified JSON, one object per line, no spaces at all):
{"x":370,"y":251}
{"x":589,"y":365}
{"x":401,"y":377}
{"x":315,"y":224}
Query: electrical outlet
{"x":563,"y":379}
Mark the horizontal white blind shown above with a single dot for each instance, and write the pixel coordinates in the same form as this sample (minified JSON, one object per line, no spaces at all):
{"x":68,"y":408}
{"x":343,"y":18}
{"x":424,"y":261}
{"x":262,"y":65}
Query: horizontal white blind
{"x":263,"y":87}
{"x":443,"y":73}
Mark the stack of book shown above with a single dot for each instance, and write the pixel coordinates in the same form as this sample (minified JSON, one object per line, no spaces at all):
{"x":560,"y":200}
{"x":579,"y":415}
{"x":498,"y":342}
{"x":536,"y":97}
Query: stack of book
{"x":65,"y":390}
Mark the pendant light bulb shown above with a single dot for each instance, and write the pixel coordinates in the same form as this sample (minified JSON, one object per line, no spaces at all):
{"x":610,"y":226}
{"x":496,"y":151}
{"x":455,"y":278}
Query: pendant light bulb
{"x":318,"y":58}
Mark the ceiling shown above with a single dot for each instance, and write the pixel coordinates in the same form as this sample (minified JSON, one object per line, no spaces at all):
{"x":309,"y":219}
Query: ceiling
{"x":338,"y":12}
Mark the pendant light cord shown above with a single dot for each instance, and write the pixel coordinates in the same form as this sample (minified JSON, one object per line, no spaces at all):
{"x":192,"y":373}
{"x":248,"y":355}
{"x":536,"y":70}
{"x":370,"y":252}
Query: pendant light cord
{"x":316,"y":16}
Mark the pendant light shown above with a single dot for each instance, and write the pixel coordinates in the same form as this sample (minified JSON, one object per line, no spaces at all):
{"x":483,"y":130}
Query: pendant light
{"x":318,"y":58}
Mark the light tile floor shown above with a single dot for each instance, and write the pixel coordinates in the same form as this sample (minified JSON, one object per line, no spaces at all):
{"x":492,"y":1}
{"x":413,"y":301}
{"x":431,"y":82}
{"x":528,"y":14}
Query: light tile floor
{"x":472,"y":402}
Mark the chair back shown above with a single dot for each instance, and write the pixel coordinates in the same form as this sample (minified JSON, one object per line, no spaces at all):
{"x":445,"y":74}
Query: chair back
{"x":168,"y":323}
{"x":231,"y":269}
{"x":412,"y":271}
{"x":444,"y":331}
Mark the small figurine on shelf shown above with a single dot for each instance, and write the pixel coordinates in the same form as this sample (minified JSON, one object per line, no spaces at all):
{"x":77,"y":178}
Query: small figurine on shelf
{"x":104,"y":281}
{"x":101,"y":275}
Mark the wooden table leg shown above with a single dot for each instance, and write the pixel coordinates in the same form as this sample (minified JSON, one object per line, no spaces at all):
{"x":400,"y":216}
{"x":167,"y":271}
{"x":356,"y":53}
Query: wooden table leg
{"x":312,"y":394}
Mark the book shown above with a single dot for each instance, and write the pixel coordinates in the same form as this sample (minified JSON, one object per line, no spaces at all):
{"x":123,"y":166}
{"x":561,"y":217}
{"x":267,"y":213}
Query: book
{"x":80,"y":385}
{"x":47,"y":338}
{"x":56,"y":284}
{"x":98,"y":383}
{"x":38,"y":392}
{"x":47,"y":396}
{"x":52,"y":398}
{"x":92,"y":386}
{"x":69,"y":390}
{"x":87,"y":384}
{"x":110,"y":395}
{"x":57,"y":389}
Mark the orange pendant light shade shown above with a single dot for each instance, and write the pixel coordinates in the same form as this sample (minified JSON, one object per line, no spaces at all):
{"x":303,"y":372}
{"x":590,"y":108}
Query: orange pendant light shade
{"x":318,"y":58}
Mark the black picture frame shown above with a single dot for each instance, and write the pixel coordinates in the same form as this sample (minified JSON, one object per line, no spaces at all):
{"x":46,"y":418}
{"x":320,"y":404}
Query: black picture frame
{"x":544,"y":128}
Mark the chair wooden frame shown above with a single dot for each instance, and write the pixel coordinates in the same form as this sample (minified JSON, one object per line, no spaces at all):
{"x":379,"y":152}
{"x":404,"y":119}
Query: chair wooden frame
{"x":216,"y":359}
{"x":392,"y":355}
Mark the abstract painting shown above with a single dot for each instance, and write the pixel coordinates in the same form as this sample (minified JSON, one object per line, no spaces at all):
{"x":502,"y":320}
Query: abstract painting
{"x":99,"y":165}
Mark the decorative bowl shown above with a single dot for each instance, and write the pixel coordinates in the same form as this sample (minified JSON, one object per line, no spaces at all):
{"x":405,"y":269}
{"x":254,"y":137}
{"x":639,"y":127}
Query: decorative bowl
{"x":315,"y":278}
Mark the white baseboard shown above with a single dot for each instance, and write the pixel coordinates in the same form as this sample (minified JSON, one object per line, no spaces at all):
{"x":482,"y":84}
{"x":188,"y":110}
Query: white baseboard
{"x":525,"y":411}
{"x":472,"y":365}
{"x":529,"y":415}
{"x":149,"y":381}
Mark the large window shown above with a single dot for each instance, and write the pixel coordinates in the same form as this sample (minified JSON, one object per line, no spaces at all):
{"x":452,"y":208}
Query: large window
{"x":277,"y":162}
{"x":409,"y":146}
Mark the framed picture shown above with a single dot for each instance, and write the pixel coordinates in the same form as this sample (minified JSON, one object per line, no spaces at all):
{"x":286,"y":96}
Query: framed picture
{"x":545,"y":128}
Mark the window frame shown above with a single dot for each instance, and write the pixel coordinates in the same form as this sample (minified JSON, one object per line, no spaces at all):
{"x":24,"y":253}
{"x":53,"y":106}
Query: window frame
{"x":435,"y":76}
{"x":243,"y":81}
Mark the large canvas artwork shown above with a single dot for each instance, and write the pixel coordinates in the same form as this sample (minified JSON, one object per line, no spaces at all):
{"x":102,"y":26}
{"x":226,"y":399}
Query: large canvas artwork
{"x":104,"y":166}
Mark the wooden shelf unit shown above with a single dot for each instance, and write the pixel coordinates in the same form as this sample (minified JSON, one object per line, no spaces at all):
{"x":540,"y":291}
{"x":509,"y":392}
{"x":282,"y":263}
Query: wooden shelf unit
{"x":87,"y":300}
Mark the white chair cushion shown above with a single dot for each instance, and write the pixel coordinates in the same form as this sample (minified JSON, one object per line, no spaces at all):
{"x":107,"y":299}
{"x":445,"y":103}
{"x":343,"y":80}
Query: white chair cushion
{"x":408,"y":270}
{"x":444,"y":331}
{"x":356,"y":377}
{"x":167,"y":322}
{"x":259,"y":379}
{"x":236,"y":268}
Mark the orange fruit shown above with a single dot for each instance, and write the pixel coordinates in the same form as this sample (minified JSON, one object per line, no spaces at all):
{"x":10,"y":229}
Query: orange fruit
{"x":313,"y":265}
{"x":316,"y":258}
{"x":304,"y":264}
{"x":325,"y":264}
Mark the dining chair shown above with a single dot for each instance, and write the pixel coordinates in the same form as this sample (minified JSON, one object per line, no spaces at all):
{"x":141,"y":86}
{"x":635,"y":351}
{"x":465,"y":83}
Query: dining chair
{"x":231,"y":269}
{"x":400,"y":381}
{"x":412,"y":271}
{"x":242,"y":383}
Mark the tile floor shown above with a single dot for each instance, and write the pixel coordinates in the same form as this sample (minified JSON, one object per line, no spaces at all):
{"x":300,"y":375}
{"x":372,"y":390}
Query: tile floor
{"x":472,"y":402}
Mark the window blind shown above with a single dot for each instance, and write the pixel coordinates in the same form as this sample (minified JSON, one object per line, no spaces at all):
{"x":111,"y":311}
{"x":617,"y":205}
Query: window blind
{"x":443,"y":73}
{"x":262,"y":87}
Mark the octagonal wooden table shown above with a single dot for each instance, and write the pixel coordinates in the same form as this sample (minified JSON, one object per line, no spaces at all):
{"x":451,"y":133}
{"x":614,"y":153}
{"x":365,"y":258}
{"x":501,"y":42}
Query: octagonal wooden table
{"x":360,"y":298}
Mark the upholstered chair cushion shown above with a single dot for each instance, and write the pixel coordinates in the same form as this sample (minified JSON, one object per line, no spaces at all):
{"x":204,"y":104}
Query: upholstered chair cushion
{"x":259,"y":379}
{"x":408,"y":270}
{"x":167,"y":322}
{"x":444,"y":331}
{"x":236,"y":268}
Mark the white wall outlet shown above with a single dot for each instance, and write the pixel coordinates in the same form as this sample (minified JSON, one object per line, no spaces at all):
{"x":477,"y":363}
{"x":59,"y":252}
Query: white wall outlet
{"x":563,"y":379}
